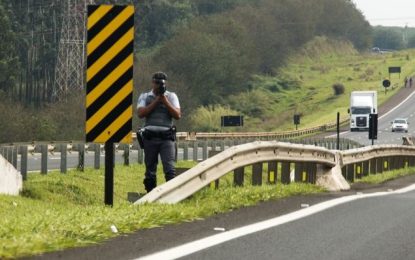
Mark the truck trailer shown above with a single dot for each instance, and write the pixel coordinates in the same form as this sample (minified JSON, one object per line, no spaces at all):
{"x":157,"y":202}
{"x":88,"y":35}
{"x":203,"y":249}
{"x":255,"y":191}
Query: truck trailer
{"x":362,"y":104}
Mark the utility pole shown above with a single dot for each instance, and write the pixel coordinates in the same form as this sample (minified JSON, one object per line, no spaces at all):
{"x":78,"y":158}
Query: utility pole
{"x":70,"y":65}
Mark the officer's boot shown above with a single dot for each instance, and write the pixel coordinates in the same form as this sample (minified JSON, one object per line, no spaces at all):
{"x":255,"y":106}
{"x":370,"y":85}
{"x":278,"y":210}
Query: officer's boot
{"x":149,"y":184}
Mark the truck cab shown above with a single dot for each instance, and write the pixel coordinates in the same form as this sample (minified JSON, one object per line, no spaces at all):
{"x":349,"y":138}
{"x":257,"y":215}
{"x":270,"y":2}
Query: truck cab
{"x":362,"y":104}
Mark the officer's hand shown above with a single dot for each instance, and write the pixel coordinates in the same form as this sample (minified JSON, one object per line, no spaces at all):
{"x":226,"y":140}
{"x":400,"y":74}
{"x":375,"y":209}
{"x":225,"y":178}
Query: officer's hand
{"x":163,"y":99}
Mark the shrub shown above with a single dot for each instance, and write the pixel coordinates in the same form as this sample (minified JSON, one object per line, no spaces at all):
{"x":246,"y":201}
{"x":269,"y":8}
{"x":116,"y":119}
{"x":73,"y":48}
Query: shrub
{"x":208,"y":118}
{"x":338,"y":89}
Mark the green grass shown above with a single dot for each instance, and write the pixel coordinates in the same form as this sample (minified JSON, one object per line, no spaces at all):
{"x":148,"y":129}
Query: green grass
{"x":304,"y":85}
{"x":387,"y":176}
{"x":58,"y":211}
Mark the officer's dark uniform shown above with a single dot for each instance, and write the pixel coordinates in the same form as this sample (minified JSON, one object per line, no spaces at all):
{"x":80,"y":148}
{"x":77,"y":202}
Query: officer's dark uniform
{"x":158,"y":138}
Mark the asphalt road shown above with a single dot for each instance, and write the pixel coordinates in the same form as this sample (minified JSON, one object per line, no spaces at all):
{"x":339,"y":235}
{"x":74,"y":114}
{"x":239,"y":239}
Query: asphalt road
{"x":371,"y":228}
{"x":385,"y":135}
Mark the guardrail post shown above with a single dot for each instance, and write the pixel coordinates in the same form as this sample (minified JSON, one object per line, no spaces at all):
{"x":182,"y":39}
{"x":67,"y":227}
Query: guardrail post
{"x":195,"y":150}
{"x":97,"y":156}
{"x":400,"y":162}
{"x":391,"y":163}
{"x":63,"y":149}
{"x":222,"y":145}
{"x":299,"y":175}
{"x":23,"y":161}
{"x":81,"y":157}
{"x":350,"y":172}
{"x":285,"y":173}
{"x":379,"y":165}
{"x":311,"y":172}
{"x":372,"y":166}
{"x":44,"y":159}
{"x":238,"y":176}
{"x":405,"y":162}
{"x":126,"y":155}
{"x":411,"y":161}
{"x":15,"y":152}
{"x":359,"y":170}
{"x":257,"y":174}
{"x":344,"y":172}
{"x":365,"y":168}
{"x":140,"y":155}
{"x":386,"y":164}
{"x":185,"y":151}
{"x":272,"y":172}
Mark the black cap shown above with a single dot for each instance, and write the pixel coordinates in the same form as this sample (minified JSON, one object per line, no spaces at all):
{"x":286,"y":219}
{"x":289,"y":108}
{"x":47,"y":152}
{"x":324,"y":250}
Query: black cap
{"x":159,"y":76}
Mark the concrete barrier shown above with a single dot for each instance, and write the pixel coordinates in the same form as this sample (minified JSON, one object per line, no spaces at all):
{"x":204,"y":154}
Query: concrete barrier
{"x":11,"y":181}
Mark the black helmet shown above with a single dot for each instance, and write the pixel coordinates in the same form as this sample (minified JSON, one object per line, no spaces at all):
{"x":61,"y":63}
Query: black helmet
{"x":159,"y":76}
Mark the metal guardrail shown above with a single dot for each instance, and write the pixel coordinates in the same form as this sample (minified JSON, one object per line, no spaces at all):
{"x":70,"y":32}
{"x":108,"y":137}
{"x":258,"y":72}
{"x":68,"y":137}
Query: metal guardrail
{"x":269,"y":135}
{"x":357,"y":163}
{"x":189,"y":150}
{"x":311,"y":164}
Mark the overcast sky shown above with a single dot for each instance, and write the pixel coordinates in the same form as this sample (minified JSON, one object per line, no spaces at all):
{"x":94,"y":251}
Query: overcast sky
{"x":388,"y":12}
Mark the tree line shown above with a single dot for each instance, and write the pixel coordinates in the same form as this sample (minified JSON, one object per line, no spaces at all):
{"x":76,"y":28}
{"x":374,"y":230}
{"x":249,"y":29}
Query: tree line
{"x":210,"y":48}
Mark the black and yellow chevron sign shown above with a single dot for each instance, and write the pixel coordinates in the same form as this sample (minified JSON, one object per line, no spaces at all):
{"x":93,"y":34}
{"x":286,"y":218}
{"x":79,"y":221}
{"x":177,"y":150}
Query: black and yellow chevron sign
{"x":109,"y":93}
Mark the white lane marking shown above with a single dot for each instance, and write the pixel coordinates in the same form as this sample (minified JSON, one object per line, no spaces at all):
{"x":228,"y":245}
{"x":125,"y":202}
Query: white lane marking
{"x":201,"y":244}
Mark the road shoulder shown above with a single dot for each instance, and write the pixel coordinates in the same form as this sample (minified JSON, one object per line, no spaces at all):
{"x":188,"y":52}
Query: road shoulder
{"x":144,"y":242}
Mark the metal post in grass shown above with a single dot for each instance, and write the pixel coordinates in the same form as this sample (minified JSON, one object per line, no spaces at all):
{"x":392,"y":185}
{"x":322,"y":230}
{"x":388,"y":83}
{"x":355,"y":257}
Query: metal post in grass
{"x":285,"y":173}
{"x":23,"y":161}
{"x":411,"y":161}
{"x":126,"y":155}
{"x":338,"y":131}
{"x":185,"y":151}
{"x":350,"y":172}
{"x":140,"y":155}
{"x":298,"y":172}
{"x":238,"y":176}
{"x":379,"y":165}
{"x":365,"y":168}
{"x":257,"y":174}
{"x":372,"y":166}
{"x":15,"y":152}
{"x":205,"y":149}
{"x":272,"y":172}
{"x":44,"y":159}
{"x":81,"y":157}
{"x":358,"y":170}
{"x":312,"y":173}
{"x":63,"y":149}
{"x":344,"y":171}
{"x":109,"y":174}
{"x":195,"y":150}
{"x":97,"y":156}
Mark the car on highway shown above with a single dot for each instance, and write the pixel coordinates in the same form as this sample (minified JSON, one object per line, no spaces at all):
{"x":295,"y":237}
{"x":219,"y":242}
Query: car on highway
{"x":400,"y":124}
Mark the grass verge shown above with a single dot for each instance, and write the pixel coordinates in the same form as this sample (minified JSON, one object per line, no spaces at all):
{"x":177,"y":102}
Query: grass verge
{"x":387,"y":176}
{"x":58,"y":211}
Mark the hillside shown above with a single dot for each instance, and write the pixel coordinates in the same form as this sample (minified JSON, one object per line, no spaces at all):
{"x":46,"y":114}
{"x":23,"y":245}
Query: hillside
{"x":305,"y":86}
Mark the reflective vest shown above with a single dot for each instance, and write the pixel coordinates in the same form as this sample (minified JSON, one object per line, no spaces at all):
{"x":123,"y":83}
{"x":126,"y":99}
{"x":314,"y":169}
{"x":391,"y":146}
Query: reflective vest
{"x":160,"y":116}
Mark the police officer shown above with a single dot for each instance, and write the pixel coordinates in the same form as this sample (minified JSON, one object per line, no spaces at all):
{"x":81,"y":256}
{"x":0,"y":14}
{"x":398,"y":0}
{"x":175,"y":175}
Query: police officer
{"x":158,"y":107}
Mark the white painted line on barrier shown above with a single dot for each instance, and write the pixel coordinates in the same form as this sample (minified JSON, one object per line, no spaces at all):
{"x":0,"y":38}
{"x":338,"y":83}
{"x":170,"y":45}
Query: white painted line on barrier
{"x":204,"y":243}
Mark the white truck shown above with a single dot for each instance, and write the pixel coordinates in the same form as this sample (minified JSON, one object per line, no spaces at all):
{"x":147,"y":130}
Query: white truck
{"x":362,"y":103}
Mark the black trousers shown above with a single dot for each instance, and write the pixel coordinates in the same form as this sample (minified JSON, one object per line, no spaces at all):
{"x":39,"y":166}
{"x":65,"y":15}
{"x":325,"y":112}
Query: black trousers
{"x":152,"y":149}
